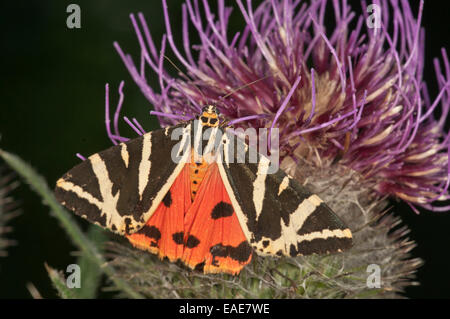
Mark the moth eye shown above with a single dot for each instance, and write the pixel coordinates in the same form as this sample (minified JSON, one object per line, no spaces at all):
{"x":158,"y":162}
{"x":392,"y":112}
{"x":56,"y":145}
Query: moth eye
{"x":213,"y":121}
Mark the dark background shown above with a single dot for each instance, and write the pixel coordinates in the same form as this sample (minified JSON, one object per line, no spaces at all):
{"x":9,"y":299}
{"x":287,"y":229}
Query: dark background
{"x":52,"y":106}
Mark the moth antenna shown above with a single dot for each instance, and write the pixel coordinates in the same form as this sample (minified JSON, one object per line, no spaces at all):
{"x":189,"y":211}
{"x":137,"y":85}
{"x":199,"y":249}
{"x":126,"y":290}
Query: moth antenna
{"x":178,"y":69}
{"x":225,"y":123}
{"x":246,"y":85}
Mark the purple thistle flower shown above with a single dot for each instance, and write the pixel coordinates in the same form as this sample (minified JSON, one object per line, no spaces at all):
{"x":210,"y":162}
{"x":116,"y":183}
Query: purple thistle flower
{"x":353,"y":94}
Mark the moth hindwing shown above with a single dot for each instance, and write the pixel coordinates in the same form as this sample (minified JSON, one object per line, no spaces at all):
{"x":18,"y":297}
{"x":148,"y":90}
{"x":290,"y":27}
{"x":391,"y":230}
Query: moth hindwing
{"x":209,"y":215}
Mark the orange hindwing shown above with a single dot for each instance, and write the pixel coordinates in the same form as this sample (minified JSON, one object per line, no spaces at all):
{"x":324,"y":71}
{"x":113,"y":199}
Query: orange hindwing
{"x":163,"y":232}
{"x":202,"y":231}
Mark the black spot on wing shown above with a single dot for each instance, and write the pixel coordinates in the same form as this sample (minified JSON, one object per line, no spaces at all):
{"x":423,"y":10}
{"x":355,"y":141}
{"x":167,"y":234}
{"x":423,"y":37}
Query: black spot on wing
{"x":222,"y":209}
{"x":293,"y":251}
{"x":240,"y":253}
{"x":192,"y":241}
{"x":151,"y":231}
{"x":167,"y":200}
{"x":128,"y":223}
{"x":178,"y":238}
{"x":200,"y":266}
{"x":322,"y":218}
{"x":265,"y":243}
{"x":323,"y":246}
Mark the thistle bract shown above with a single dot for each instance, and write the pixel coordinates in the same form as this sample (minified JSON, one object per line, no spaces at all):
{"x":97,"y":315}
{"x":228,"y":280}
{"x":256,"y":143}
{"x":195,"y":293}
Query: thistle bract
{"x":8,"y":208}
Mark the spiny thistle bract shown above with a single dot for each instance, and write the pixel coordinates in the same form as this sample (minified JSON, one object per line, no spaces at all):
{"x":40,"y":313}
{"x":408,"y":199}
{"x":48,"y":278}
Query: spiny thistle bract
{"x":356,"y":126}
{"x":8,"y":207}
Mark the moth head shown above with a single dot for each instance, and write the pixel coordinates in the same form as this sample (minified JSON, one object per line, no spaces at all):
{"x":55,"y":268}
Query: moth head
{"x":210,"y":116}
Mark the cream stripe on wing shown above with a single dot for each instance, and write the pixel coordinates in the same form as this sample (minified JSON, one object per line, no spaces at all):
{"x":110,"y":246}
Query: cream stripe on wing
{"x":259,"y":185}
{"x":145,"y":164}
{"x":297,"y":218}
{"x":124,"y":154}
{"x":304,"y":210}
{"x":109,"y":204}
{"x":283,"y":185}
{"x":326,"y":234}
{"x":80,"y":192}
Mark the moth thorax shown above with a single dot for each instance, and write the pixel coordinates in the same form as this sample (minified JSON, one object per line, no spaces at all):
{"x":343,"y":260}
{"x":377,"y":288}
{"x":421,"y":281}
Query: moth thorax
{"x":197,"y":169}
{"x":210,"y":116}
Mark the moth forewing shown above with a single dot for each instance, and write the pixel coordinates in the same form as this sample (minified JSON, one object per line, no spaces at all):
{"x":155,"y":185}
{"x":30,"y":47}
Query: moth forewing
{"x":120,"y":188}
{"x":277,"y":214}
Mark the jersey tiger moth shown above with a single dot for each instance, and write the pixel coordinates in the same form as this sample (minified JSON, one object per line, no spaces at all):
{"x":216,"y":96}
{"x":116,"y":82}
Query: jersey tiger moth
{"x":210,"y":215}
